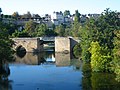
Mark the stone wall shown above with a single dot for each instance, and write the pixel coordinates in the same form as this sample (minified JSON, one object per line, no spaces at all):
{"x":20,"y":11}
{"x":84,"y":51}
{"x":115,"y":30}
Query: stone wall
{"x":62,"y":44}
{"x":30,"y":44}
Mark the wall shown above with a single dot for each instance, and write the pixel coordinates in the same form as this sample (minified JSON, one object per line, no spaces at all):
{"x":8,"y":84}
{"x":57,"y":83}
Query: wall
{"x":30,"y":44}
{"x":62,"y":44}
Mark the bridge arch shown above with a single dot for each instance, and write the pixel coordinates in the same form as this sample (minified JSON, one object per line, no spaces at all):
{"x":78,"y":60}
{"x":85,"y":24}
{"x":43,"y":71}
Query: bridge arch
{"x":29,"y":44}
{"x":20,"y":48}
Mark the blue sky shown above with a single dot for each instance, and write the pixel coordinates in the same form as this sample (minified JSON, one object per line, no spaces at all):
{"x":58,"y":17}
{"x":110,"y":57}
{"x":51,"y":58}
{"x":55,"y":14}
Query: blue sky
{"x":48,"y":6}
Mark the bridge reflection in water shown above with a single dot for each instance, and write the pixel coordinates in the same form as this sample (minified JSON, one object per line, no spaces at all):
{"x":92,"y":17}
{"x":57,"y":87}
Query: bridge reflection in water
{"x":46,"y":58}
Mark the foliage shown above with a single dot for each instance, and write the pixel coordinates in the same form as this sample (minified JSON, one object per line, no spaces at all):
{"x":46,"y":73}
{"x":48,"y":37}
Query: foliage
{"x":27,"y":15}
{"x":5,"y":44}
{"x":105,"y":26}
{"x":77,"y":16}
{"x":50,"y":32}
{"x":100,"y":58}
{"x":68,"y":31}
{"x":86,"y":38}
{"x":60,"y":30}
{"x":30,"y":27}
{"x":20,"y":34}
{"x":66,"y":12}
{"x":75,"y":29}
{"x":116,"y":53}
{"x":41,"y":30}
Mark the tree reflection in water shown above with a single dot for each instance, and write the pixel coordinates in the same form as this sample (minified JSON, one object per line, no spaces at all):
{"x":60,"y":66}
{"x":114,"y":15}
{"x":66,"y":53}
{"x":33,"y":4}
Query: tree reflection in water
{"x":98,"y":81}
{"x":5,"y":83}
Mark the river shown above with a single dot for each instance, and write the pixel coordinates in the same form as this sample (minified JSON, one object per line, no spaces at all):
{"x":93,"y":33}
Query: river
{"x":53,"y":71}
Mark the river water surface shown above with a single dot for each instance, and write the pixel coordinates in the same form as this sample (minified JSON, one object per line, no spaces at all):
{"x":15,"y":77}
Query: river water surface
{"x":54,"y":71}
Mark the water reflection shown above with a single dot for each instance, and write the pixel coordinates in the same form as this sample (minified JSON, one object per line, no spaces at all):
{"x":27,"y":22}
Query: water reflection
{"x":62,"y":59}
{"x":53,"y":71}
{"x":5,"y":83}
{"x":98,"y":81}
{"x":58,"y":59}
{"x":45,"y":71}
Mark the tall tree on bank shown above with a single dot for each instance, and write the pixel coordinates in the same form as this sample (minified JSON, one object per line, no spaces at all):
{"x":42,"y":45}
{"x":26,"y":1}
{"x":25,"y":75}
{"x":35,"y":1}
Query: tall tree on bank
{"x":76,"y":24}
{"x":105,"y":26}
{"x":5,"y":44}
{"x":77,"y":16}
{"x":116,"y":53}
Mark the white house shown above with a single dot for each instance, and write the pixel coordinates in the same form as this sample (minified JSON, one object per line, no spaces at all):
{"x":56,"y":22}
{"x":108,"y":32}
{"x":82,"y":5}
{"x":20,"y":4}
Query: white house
{"x":58,"y":17}
{"x":55,"y":21}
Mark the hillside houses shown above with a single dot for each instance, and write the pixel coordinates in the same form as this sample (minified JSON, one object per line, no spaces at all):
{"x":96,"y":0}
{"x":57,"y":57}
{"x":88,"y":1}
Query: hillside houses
{"x":57,"y":18}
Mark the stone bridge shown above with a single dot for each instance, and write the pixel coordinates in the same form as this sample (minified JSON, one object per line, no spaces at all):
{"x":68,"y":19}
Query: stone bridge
{"x":29,"y":44}
{"x":36,"y":44}
{"x":63,"y":44}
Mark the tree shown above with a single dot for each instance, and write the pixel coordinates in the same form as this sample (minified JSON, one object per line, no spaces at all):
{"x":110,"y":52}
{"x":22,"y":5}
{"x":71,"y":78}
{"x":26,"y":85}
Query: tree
{"x":15,"y":15}
{"x":60,"y":30}
{"x":100,"y":30}
{"x":66,"y":12}
{"x":41,"y":30}
{"x":27,"y":15}
{"x":76,"y":24}
{"x":20,"y":34}
{"x":75,"y":29}
{"x":100,"y":59}
{"x":105,"y":26}
{"x":116,"y":53}
{"x":5,"y":44}
{"x":77,"y":16}
{"x":30,"y":27}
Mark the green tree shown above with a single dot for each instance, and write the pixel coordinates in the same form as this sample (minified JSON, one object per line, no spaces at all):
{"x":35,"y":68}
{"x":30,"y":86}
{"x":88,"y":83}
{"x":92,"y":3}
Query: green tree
{"x":30,"y":27}
{"x":105,"y":26}
{"x":66,"y":12}
{"x":41,"y":30}
{"x":60,"y":30}
{"x":77,"y":16}
{"x":75,"y":28}
{"x":100,"y":59}
{"x":86,"y":39}
{"x":116,"y":53}
{"x":5,"y":44}
{"x":20,"y":34}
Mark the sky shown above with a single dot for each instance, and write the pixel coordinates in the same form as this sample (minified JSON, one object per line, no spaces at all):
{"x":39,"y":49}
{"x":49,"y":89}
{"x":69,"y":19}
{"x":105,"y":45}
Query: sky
{"x":42,"y":7}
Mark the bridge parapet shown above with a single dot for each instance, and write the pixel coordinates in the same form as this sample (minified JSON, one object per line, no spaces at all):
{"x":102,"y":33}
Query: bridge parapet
{"x":30,"y":44}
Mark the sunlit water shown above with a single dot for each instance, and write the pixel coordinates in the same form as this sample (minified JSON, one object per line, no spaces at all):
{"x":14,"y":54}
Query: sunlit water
{"x":45,"y":72}
{"x":54,"y":71}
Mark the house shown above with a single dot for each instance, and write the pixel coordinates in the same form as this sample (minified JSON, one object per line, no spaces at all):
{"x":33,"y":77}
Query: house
{"x":58,"y":18}
{"x":94,"y":16}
